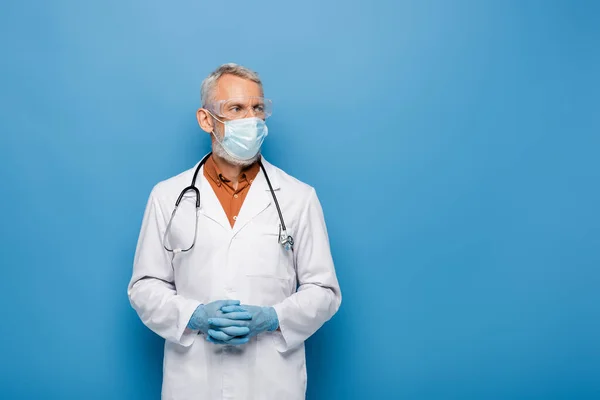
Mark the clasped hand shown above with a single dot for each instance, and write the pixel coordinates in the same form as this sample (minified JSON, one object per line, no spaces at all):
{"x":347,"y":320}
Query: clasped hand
{"x":229,"y":322}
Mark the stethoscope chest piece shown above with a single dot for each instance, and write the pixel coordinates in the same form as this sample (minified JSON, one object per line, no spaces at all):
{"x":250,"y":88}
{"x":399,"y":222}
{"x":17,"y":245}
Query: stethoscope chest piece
{"x":285,"y":240}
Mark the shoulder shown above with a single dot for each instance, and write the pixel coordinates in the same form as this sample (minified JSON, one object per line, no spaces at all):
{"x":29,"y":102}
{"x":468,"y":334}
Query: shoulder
{"x":287,"y":183}
{"x":167,"y":190}
{"x":295,"y":196}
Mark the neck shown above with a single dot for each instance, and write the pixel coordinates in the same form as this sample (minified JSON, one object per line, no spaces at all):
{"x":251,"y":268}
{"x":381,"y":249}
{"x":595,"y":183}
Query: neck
{"x":230,"y":171}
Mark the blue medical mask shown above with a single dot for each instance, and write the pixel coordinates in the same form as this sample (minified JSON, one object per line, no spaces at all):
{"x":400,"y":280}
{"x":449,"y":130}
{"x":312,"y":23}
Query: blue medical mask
{"x":243,"y":137}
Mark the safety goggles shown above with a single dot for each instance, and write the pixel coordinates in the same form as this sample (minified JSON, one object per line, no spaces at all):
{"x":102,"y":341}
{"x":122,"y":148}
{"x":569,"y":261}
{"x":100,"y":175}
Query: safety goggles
{"x":242,"y":107}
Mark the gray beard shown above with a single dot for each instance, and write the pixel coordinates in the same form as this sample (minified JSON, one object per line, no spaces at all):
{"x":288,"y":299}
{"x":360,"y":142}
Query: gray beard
{"x":219,"y":151}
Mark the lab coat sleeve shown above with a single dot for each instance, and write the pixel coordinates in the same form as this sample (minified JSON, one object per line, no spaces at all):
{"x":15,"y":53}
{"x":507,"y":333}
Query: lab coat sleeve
{"x":151,"y":291}
{"x":318,"y":296}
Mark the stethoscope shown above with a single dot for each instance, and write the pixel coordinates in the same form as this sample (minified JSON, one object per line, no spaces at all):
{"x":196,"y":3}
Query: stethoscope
{"x":287,"y":241}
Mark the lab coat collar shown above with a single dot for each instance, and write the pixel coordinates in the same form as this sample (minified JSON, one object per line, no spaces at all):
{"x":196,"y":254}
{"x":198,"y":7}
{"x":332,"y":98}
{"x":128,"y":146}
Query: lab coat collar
{"x":259,"y":197}
{"x":273,"y":174}
{"x":257,"y":200}
{"x":210,"y":205}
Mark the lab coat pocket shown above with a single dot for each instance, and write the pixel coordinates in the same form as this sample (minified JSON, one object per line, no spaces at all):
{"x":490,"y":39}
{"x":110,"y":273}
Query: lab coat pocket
{"x":288,"y":377}
{"x":265,"y":259}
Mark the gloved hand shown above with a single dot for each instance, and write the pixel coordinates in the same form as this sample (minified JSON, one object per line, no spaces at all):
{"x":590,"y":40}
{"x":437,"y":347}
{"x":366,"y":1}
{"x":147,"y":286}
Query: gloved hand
{"x":237,"y":318}
{"x":263,"y":319}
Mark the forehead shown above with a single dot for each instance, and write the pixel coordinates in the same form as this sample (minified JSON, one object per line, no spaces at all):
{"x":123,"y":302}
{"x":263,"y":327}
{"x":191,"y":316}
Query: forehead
{"x":229,"y":86}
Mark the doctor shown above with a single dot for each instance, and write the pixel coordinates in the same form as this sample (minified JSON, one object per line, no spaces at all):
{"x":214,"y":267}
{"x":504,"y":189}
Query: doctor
{"x":241,"y":274}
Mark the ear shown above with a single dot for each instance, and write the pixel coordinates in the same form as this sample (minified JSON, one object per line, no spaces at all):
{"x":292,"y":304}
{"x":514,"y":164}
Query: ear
{"x":205,"y":120}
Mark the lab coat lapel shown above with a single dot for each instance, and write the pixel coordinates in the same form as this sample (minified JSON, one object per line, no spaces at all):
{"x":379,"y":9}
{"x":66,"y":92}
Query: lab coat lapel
{"x":258,"y":198}
{"x":210,"y":205}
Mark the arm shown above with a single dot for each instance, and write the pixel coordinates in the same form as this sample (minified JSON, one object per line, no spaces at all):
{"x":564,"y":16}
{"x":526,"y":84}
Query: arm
{"x":152,"y":291}
{"x":318,"y":296}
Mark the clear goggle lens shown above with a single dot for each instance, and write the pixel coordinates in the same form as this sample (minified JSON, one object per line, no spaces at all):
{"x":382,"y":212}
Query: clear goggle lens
{"x":242,"y":107}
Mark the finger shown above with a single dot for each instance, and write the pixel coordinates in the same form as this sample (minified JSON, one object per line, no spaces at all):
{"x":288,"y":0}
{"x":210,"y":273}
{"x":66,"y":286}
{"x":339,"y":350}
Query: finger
{"x":235,"y":330}
{"x":236,"y":315}
{"x":213,"y":340}
{"x":228,"y":309}
{"x":226,"y":322}
{"x":219,"y":335}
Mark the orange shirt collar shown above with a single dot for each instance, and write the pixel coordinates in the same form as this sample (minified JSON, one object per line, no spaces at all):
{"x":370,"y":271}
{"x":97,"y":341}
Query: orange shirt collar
{"x":214,"y":173}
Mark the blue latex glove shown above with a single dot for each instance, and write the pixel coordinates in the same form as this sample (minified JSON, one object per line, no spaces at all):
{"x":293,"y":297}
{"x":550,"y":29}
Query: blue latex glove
{"x":263,"y":319}
{"x":237,"y":318}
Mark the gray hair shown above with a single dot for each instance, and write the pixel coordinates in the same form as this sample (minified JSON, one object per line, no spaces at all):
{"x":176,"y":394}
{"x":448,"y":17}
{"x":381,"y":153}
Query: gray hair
{"x":210,"y":83}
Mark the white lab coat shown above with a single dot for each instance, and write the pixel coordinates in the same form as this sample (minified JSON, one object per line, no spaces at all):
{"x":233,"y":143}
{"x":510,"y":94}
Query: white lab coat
{"x":245,"y":263}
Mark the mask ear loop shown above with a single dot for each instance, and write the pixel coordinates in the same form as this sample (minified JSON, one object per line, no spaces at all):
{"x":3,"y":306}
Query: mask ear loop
{"x":215,"y":134}
{"x":213,"y":131}
{"x":213,"y":115}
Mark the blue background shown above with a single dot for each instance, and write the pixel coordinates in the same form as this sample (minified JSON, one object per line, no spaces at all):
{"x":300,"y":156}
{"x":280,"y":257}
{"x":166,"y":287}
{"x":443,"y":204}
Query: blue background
{"x":454,"y":147}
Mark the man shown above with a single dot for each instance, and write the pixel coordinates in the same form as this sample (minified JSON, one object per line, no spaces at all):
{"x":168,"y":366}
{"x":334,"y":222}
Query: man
{"x":240,"y":274}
